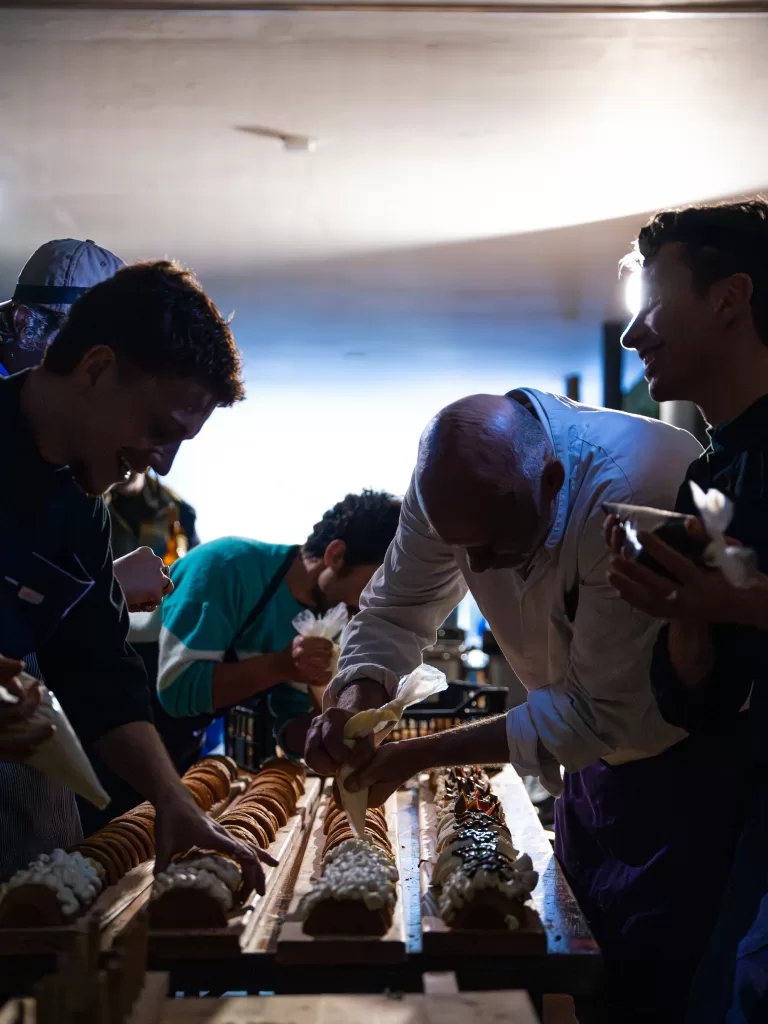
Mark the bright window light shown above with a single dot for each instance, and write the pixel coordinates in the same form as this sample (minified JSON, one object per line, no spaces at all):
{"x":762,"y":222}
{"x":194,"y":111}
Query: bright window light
{"x":633,"y":292}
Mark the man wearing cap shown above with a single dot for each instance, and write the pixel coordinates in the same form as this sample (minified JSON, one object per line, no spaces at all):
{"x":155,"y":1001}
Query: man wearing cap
{"x":138,"y":366}
{"x":54,"y":276}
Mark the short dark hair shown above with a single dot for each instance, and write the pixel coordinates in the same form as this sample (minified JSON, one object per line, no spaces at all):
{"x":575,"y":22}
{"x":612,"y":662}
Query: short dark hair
{"x":367,"y":523}
{"x":718,"y":241}
{"x":156,"y":318}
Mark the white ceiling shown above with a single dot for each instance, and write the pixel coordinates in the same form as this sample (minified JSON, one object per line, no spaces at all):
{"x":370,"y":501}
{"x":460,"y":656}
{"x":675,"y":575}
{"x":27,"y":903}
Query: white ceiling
{"x":477,"y":159}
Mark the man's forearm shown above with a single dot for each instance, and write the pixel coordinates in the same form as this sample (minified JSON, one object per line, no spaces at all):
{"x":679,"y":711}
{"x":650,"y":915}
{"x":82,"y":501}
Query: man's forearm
{"x":242,"y":679}
{"x":137,"y":754}
{"x":361,"y":695}
{"x":479,"y":743}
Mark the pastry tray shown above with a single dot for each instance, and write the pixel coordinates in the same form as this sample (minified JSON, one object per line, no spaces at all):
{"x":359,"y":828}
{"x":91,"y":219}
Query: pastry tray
{"x":440,"y":939}
{"x":296,"y":947}
{"x":222,"y":943}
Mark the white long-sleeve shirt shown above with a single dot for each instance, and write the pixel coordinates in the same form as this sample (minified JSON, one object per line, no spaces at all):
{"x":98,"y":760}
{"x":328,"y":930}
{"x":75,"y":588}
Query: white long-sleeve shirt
{"x":582,"y":653}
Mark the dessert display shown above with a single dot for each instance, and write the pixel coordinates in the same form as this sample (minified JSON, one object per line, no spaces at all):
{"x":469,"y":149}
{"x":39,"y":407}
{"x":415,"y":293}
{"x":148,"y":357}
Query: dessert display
{"x":202,"y":888}
{"x":56,"y":888}
{"x":356,"y":892}
{"x":481,"y":880}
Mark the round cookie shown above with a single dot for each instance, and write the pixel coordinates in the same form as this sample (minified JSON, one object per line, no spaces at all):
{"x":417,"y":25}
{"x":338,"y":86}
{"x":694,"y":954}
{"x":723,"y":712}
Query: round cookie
{"x":103,"y":857}
{"x":273,"y":805}
{"x":229,"y":763}
{"x":247,"y":822}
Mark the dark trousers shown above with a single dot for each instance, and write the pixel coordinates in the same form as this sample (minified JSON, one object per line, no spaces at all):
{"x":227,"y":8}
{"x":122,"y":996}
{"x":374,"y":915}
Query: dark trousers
{"x":647,"y":848}
{"x":734,"y":971}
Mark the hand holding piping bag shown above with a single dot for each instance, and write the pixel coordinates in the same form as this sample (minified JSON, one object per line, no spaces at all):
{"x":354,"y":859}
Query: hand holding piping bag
{"x":423,"y":682}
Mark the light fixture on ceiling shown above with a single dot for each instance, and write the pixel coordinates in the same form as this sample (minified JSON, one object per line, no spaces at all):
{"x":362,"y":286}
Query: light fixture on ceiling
{"x":291,"y":142}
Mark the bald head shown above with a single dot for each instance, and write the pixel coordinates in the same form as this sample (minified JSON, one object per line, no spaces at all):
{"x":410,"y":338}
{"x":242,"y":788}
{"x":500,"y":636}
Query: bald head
{"x":488,"y":477}
{"x":487,"y":438}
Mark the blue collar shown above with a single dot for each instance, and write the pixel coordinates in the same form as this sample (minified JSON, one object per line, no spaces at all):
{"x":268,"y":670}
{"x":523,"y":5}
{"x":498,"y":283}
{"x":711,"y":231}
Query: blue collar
{"x":3,"y":371}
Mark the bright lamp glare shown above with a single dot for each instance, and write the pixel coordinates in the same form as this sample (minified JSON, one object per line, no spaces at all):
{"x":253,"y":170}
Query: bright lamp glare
{"x":633,"y":293}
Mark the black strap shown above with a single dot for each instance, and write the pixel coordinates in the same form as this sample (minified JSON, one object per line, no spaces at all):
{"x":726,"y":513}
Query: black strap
{"x":48,"y":294}
{"x":260,"y":607}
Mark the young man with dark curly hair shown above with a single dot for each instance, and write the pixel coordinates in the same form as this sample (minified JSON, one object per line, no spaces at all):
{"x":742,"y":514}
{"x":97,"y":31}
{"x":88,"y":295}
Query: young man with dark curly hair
{"x":141,"y":363}
{"x":226,"y":629}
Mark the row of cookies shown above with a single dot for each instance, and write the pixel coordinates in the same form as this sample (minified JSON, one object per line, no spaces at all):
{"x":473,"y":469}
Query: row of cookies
{"x":356,"y":892}
{"x":201,"y":888}
{"x":55,"y":888}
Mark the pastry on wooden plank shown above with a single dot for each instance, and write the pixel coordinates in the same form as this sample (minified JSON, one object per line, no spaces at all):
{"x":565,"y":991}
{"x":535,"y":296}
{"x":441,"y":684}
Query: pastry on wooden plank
{"x":480,"y":879}
{"x":355,"y":894}
{"x":199,"y":891}
{"x":51,"y":891}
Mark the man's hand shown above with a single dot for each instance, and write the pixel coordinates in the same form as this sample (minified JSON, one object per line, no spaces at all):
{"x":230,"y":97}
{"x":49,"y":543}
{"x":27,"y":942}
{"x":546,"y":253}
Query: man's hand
{"x":18,"y":738}
{"x":326,"y":751}
{"x":695,"y":594}
{"x":308,"y":660}
{"x":180,"y":825}
{"x":144,"y":579}
{"x":392,"y":765}
{"x":614,"y":534}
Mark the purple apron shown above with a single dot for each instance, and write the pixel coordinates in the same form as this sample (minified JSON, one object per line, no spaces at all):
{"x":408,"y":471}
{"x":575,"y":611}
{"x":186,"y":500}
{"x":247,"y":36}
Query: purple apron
{"x":647,"y":847}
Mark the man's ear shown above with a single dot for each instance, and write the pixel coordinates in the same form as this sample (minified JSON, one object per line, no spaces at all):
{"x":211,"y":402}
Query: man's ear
{"x":334,"y":555}
{"x":96,"y":363}
{"x":731,"y":297}
{"x":552,"y":479}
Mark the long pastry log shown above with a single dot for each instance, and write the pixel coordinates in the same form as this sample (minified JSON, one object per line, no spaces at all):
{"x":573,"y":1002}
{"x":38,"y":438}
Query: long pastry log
{"x":480,"y":879}
{"x":355,"y":895}
{"x":52,"y":890}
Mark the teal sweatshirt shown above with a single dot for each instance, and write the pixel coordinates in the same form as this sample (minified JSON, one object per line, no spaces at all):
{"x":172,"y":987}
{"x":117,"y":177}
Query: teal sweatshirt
{"x":215,"y":588}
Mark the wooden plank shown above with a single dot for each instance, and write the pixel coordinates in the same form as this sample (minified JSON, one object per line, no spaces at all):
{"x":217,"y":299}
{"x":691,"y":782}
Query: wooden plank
{"x":222,"y":943}
{"x":149,"y":1008}
{"x":564,"y":922}
{"x":504,"y":1007}
{"x":438,"y":938}
{"x":112,"y":910}
{"x":110,"y":906}
{"x":296,"y":947}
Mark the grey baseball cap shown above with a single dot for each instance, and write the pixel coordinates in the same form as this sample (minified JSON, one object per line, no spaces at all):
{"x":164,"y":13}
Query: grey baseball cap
{"x":60,"y":271}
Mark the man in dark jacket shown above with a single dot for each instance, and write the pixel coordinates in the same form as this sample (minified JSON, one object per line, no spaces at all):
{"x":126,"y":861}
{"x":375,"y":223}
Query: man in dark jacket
{"x":703,"y":335}
{"x":137,"y":369}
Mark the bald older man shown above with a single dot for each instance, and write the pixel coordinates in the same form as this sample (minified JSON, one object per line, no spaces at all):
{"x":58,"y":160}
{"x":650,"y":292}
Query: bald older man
{"x":506,"y":502}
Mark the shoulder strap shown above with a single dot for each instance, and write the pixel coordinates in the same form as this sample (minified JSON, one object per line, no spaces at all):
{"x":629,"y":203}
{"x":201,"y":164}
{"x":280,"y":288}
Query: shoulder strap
{"x":259,"y":608}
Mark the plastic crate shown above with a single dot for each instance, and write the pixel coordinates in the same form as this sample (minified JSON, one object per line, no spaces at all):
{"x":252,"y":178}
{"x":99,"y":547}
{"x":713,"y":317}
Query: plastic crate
{"x":249,"y":738}
{"x":459,"y":704}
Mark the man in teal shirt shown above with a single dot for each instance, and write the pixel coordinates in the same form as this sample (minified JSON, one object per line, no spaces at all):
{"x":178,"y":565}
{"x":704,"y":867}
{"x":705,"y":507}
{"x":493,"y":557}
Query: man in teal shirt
{"x":227,"y":630}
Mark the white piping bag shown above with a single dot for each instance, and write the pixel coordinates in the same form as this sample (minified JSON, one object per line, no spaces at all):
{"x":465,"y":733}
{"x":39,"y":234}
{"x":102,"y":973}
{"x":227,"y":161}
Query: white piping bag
{"x":328,"y":627}
{"x":62,"y":756}
{"x":421,"y":683}
{"x":737,"y":564}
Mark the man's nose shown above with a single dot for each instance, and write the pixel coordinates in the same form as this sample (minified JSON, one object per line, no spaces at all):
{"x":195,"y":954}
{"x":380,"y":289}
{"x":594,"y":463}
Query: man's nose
{"x":161,"y":459}
{"x":636,"y":330}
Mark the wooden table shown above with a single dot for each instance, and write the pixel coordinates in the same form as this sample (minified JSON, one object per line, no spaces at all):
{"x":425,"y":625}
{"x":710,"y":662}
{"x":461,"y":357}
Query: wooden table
{"x":571,"y":964}
{"x":462,"y":1008}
